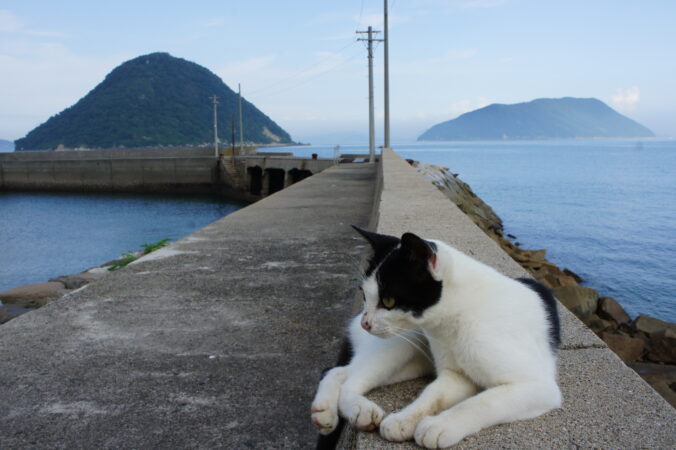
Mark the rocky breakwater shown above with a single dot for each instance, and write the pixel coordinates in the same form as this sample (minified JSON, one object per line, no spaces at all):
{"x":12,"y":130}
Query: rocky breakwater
{"x":646,"y":344}
{"x":25,"y":298}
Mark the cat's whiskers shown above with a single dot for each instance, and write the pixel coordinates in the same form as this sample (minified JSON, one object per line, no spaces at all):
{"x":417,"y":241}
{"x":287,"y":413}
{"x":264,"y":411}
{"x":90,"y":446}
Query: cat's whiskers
{"x":415,"y":345}
{"x":417,"y":339}
{"x":426,"y":337}
{"x":417,"y":332}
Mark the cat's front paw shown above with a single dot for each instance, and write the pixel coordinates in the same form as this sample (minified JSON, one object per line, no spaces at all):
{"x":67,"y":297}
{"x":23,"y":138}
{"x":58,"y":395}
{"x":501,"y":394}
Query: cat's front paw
{"x":437,"y":432}
{"x":364,"y":414}
{"x":398,"y":427}
{"x":324,"y":416}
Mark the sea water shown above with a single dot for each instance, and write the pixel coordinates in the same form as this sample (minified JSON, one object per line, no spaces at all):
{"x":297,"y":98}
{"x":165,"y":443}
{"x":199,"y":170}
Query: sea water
{"x":45,"y":235}
{"x":605,"y":209}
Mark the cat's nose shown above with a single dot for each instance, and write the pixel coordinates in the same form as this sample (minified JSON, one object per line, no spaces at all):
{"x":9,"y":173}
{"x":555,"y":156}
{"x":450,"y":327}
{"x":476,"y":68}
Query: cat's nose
{"x":366,"y":325}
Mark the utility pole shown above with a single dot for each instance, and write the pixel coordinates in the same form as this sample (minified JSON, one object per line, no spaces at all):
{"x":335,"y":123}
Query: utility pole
{"x":372,"y":131}
{"x":215,"y":102}
{"x":241,"y":126}
{"x":232,"y":119}
{"x":386,"y":41}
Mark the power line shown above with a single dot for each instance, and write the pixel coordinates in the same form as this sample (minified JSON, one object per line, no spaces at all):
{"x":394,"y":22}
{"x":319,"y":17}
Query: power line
{"x":308,"y":79}
{"x":299,"y":74}
{"x":311,"y":66}
{"x":361,"y":11}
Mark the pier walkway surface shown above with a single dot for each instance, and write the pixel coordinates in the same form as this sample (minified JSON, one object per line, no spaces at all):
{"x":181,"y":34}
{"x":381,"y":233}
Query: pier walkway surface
{"x":216,"y":341}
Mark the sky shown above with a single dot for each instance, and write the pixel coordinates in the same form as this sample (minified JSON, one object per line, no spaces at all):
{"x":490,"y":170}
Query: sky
{"x":300,"y":63}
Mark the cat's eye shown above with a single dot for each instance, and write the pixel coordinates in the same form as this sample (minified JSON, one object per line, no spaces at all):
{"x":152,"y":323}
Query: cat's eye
{"x":388,"y":302}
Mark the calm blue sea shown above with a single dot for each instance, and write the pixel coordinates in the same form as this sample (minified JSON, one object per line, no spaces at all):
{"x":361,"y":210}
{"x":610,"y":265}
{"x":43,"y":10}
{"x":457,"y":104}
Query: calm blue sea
{"x":44,"y":235}
{"x":605,"y":209}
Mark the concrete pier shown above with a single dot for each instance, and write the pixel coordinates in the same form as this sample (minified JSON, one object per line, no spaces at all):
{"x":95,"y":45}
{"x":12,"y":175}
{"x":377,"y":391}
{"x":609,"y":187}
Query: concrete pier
{"x":217,"y":341}
{"x":195,"y":170}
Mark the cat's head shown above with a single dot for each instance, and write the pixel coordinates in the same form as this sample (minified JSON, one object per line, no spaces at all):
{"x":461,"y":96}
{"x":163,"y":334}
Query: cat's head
{"x":401,"y":283}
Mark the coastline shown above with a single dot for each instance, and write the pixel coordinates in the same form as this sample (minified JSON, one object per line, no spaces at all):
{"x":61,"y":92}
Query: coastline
{"x":25,"y":298}
{"x":646,"y":344}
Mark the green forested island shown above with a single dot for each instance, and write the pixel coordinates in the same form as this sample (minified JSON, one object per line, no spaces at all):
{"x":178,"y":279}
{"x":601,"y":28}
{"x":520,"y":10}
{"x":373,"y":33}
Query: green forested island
{"x":545,"y":118}
{"x":153,"y":100}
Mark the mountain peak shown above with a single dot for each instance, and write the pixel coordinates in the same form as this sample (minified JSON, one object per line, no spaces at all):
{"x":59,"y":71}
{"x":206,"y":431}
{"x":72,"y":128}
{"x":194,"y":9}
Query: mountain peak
{"x":153,"y":100}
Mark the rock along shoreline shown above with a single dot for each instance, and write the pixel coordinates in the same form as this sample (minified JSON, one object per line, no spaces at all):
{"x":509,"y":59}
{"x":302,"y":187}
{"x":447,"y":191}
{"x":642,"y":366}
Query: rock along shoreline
{"x":28,"y":297}
{"x":646,"y":344}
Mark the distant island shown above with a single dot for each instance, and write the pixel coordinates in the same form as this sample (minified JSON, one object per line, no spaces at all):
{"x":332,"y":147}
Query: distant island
{"x":6,"y":146}
{"x":544,"y":118}
{"x":153,"y":100}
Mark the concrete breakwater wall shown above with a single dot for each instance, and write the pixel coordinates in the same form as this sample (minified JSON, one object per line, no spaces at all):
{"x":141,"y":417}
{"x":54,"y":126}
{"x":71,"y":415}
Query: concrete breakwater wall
{"x":110,"y":170}
{"x":606,"y":404}
{"x":194,"y":170}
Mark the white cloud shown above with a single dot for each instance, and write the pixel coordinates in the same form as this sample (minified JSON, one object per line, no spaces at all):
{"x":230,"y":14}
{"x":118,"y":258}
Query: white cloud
{"x":40,"y":79}
{"x":327,"y":18}
{"x":454,"y":55}
{"x":450,"y":5}
{"x":626,"y":99}
{"x":214,"y":22}
{"x":481,"y":3}
{"x":281,"y":80}
{"x":463,"y":106}
{"x":339,"y":37}
{"x":240,"y":70}
{"x":9,"y":23}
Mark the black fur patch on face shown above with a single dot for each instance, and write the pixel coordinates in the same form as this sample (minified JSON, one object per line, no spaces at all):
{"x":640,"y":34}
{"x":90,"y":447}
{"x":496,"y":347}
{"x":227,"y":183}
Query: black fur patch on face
{"x":382,"y":245}
{"x":404,"y":276}
{"x":551,"y":308}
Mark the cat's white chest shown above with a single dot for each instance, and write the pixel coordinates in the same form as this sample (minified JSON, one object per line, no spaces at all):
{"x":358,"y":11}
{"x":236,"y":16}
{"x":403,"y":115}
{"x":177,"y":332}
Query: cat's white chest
{"x":444,"y":351}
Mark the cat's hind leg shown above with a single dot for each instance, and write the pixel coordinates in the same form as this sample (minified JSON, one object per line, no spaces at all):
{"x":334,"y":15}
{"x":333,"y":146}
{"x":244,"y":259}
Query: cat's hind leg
{"x":499,"y":404}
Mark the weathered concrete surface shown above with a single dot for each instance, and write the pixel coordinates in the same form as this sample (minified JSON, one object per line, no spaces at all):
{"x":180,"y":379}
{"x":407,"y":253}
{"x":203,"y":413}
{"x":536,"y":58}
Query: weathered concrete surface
{"x":132,"y":170}
{"x":606,"y":404}
{"x":148,"y":170}
{"x":217,"y":341}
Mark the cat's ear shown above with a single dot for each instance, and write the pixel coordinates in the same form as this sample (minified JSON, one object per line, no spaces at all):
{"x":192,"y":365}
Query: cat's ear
{"x":381,"y":243}
{"x":418,"y":251}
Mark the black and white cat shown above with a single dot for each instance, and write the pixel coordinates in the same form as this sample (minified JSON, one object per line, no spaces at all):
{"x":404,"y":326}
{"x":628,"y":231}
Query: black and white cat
{"x":491,"y":341}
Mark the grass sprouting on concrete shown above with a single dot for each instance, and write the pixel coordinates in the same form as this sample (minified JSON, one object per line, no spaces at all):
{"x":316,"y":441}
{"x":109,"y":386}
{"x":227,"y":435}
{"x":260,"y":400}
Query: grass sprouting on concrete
{"x":131,"y":256}
{"x":147,"y":248}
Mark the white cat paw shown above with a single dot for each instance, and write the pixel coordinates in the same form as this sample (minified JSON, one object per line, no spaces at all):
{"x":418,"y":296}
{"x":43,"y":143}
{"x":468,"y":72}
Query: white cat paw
{"x":324,"y":416}
{"x":365,"y":415}
{"x":436,"y":432}
{"x":398,"y":427}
